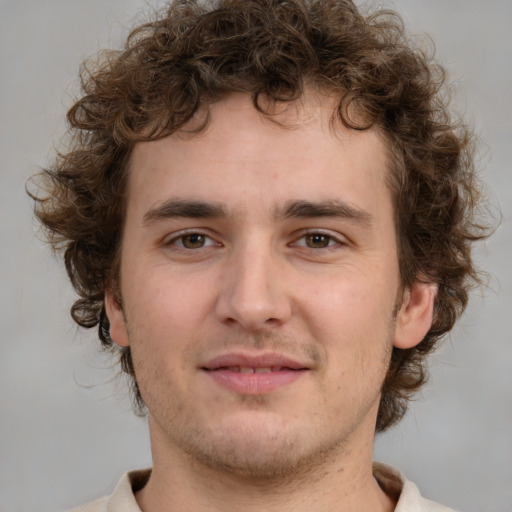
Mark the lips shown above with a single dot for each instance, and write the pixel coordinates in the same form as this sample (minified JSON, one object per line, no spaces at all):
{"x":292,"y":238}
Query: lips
{"x":254,"y":374}
{"x":250,"y":369}
{"x":265,"y":360}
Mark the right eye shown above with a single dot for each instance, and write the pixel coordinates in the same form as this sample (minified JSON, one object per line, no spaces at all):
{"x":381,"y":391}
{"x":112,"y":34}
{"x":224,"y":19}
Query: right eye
{"x":192,"y":241}
{"x":316,"y":241}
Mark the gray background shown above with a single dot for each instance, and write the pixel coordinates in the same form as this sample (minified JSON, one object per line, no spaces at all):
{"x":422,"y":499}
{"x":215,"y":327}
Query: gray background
{"x":67,"y":432}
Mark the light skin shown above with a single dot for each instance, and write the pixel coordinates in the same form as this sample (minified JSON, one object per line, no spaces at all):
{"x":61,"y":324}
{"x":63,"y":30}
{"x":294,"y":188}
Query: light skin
{"x":253,"y":247}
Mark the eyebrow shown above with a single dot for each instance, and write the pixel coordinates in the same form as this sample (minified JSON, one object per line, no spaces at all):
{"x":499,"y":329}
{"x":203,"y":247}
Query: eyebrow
{"x":334,"y":209}
{"x":300,"y":209}
{"x":183,"y":208}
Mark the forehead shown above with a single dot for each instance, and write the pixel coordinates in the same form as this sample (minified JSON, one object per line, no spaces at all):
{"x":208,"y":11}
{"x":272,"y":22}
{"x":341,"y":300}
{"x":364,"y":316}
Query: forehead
{"x":298,"y":151}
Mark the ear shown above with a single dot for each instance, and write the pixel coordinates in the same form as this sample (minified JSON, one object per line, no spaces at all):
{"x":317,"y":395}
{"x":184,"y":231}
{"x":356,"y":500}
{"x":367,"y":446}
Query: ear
{"x":416,"y":314}
{"x":118,"y":329}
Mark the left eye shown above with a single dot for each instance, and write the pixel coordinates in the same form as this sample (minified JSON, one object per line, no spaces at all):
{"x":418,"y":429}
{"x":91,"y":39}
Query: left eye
{"x":192,"y":241}
{"x":316,"y":241}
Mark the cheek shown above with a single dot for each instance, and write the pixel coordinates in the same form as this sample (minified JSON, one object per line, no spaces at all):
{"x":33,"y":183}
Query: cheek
{"x":166,"y":308}
{"x":347,"y":305}
{"x":160,"y":329}
{"x":352,"y":319}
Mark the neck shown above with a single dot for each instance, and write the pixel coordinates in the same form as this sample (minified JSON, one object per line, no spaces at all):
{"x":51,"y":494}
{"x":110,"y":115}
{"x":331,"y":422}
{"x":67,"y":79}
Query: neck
{"x":344,"y":481}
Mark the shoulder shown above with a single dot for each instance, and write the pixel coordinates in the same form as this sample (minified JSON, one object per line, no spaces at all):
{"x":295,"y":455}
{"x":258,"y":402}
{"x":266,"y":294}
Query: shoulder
{"x":407,"y":494}
{"x":123,"y":497}
{"x":99,"y":505}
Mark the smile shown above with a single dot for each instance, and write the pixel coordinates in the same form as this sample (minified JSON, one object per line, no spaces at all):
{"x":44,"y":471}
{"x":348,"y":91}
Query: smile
{"x":253,"y":375}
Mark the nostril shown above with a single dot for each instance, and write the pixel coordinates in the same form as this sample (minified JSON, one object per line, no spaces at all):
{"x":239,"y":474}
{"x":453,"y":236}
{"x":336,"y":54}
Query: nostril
{"x":253,"y":297}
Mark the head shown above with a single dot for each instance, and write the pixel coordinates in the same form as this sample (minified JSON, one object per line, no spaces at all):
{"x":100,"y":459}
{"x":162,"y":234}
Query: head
{"x":195,"y":55}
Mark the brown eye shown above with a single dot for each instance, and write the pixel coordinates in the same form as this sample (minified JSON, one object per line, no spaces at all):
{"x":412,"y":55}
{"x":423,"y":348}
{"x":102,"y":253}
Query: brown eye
{"x":192,"y":241}
{"x":318,"y":241}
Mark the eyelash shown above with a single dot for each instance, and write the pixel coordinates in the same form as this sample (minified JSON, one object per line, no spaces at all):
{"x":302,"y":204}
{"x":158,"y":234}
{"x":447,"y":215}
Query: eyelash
{"x":322,"y":237}
{"x":175,"y":241}
{"x":208,"y":241}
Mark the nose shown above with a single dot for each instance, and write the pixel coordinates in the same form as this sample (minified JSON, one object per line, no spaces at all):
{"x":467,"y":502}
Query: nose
{"x":253,"y":294}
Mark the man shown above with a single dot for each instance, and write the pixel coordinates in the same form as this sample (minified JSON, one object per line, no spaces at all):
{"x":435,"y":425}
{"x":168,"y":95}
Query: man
{"x":268,"y":212}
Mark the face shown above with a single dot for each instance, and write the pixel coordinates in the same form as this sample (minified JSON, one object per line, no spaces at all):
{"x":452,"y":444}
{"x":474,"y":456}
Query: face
{"x":259,"y":285}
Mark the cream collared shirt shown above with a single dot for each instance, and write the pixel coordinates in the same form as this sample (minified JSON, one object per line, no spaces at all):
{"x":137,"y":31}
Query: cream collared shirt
{"x":391,"y":481}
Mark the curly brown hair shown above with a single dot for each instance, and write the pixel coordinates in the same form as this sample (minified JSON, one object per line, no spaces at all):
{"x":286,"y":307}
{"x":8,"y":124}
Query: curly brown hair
{"x":194,"y":54}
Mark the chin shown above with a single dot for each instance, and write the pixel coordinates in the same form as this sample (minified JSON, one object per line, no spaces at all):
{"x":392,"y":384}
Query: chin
{"x":261,"y":454}
{"x":253,"y":463}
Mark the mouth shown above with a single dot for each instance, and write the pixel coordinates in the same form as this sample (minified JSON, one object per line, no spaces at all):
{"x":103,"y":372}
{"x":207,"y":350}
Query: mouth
{"x":254,"y":375}
{"x":250,"y":369}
